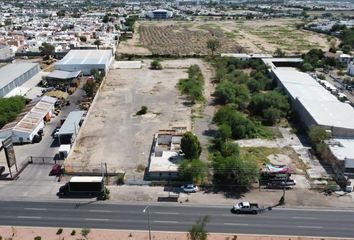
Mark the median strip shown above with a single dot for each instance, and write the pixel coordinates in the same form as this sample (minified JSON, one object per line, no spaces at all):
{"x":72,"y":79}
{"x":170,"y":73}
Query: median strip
{"x":96,"y":219}
{"x":101,"y":211}
{"x":165,"y":222}
{"x":236,"y":224}
{"x":314,"y":227}
{"x":35,"y":209}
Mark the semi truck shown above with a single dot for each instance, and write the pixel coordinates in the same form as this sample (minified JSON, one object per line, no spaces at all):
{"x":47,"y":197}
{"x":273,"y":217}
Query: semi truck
{"x":92,"y":186}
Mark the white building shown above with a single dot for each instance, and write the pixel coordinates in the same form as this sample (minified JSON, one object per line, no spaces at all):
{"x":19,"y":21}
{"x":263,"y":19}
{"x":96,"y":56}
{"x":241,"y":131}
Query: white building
{"x":85,"y":61}
{"x":159,"y":14}
{"x":24,"y":129}
{"x":15,"y":75}
{"x":6,"y":53}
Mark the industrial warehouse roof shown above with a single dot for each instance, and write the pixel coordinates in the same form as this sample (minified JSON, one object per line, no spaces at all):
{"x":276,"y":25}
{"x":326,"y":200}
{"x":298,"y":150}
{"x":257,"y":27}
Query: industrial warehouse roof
{"x":33,"y":117}
{"x":86,"y":57}
{"x":57,"y":74}
{"x":71,"y":124}
{"x":12,"y":71}
{"x":324,"y":107}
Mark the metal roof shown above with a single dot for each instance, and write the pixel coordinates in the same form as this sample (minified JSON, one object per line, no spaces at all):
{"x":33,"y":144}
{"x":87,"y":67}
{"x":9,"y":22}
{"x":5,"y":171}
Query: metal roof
{"x":86,"y":179}
{"x":12,"y":71}
{"x":63,"y":74}
{"x":324,"y":107}
{"x":71,"y":124}
{"x":85,"y":57}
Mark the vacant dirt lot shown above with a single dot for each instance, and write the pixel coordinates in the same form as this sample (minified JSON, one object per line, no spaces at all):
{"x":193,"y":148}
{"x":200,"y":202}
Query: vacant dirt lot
{"x":113,"y":134}
{"x":253,"y":36}
{"x":21,"y":233}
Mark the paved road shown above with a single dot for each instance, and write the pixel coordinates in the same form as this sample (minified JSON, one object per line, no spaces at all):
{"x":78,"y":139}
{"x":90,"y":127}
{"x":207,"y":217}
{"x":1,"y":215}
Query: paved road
{"x":311,"y":222}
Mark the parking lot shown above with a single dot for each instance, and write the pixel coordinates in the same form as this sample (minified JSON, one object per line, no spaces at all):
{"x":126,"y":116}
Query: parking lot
{"x":114,"y":135}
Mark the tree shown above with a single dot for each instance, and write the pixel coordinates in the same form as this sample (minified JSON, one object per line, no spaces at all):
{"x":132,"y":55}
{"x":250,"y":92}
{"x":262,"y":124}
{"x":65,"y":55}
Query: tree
{"x":229,"y":149}
{"x":97,"y":42}
{"x":83,"y":38}
{"x":317,"y":135}
{"x":105,"y":19}
{"x":279,"y":53}
{"x":190,"y":146}
{"x":155,"y":65}
{"x":213,"y":45}
{"x":235,"y":171}
{"x":198,"y":231}
{"x":193,"y":170}
{"x":46,"y":49}
{"x":143,"y":110}
{"x":346,"y":48}
{"x":90,"y":88}
{"x":224,"y":132}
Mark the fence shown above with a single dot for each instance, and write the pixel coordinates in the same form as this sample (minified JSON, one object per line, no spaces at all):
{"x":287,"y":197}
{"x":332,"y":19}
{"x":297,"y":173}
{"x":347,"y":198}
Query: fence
{"x":43,"y":160}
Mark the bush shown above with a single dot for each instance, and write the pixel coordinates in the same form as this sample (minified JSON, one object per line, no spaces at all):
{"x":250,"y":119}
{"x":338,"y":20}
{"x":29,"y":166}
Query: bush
{"x":73,"y":232}
{"x":60,"y":231}
{"x":193,"y":85}
{"x":38,"y":238}
{"x":155,"y":65}
{"x":120,"y":178}
{"x":193,"y":170}
{"x":143,"y":110}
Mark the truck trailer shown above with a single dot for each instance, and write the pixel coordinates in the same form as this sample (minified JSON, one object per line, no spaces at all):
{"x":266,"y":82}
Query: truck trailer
{"x":83,"y":185}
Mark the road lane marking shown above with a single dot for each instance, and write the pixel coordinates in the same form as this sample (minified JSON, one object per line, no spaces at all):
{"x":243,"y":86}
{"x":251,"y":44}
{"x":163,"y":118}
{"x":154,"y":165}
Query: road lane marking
{"x":305,"y":218}
{"x":236,"y":224}
{"x":101,"y":211}
{"x":36,"y":209}
{"x":165,"y":221}
{"x":96,"y":219}
{"x":167,"y":213}
{"x":315,"y":227}
{"x":29,"y":217}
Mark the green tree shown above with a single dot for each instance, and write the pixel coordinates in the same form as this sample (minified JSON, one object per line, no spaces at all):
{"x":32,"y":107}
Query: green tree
{"x":198,"y":230}
{"x":235,"y":171}
{"x":105,"y":19}
{"x":83,"y":38}
{"x":90,"y":88}
{"x":193,"y":170}
{"x":155,"y":65}
{"x":224,"y":132}
{"x":97,"y":42}
{"x":46,"y":49}
{"x":346,"y":48}
{"x":190,"y":146}
{"x":213,"y":44}
{"x":317,"y":135}
{"x":229,"y":149}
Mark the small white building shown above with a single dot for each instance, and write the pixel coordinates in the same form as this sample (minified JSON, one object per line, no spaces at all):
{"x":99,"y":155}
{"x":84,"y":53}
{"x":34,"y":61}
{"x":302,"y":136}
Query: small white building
{"x":343,"y":58}
{"x":6,"y":53}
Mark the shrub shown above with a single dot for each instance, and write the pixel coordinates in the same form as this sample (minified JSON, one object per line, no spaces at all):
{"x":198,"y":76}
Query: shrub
{"x":38,"y":238}
{"x":192,"y":170}
{"x":60,"y":231}
{"x":73,"y":232}
{"x":190,"y":146}
{"x":155,"y":65}
{"x":143,"y":110}
{"x":193,"y":85}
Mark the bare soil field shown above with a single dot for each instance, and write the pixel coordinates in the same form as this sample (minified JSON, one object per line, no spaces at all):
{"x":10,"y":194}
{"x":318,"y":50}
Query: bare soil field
{"x":28,"y":233}
{"x":113,"y":134}
{"x":179,"y":38}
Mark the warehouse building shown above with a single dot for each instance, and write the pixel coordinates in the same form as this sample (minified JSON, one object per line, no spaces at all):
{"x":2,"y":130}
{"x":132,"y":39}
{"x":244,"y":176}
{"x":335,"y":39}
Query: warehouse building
{"x":85,"y":61}
{"x":315,"y":104}
{"x":14,"y":75}
{"x":159,"y":14}
{"x":30,"y":121}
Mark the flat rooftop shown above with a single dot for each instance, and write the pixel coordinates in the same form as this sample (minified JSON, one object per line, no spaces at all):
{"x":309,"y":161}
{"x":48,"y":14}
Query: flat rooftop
{"x":12,"y":71}
{"x":324,"y":107}
{"x":71,"y":124}
{"x":57,"y":74}
{"x":86,"y":57}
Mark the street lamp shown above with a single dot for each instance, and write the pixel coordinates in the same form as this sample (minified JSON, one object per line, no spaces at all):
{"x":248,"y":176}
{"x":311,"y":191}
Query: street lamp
{"x":147,"y":210}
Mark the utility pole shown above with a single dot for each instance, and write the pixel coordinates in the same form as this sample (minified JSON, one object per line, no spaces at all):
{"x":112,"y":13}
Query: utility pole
{"x":147,"y":210}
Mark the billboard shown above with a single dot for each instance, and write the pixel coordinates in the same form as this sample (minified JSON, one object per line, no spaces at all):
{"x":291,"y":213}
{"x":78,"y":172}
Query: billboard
{"x":9,"y":151}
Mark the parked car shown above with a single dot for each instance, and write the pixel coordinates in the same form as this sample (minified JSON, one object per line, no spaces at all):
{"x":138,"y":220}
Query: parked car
{"x":37,"y":138}
{"x":57,"y":169}
{"x":246,"y":207}
{"x":189,"y":188}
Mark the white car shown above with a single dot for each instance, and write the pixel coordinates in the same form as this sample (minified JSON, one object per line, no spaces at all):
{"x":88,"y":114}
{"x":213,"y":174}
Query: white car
{"x":189,"y":188}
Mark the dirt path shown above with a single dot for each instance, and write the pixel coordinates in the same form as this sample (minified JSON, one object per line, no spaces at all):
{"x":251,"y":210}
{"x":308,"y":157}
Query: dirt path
{"x":204,"y":115}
